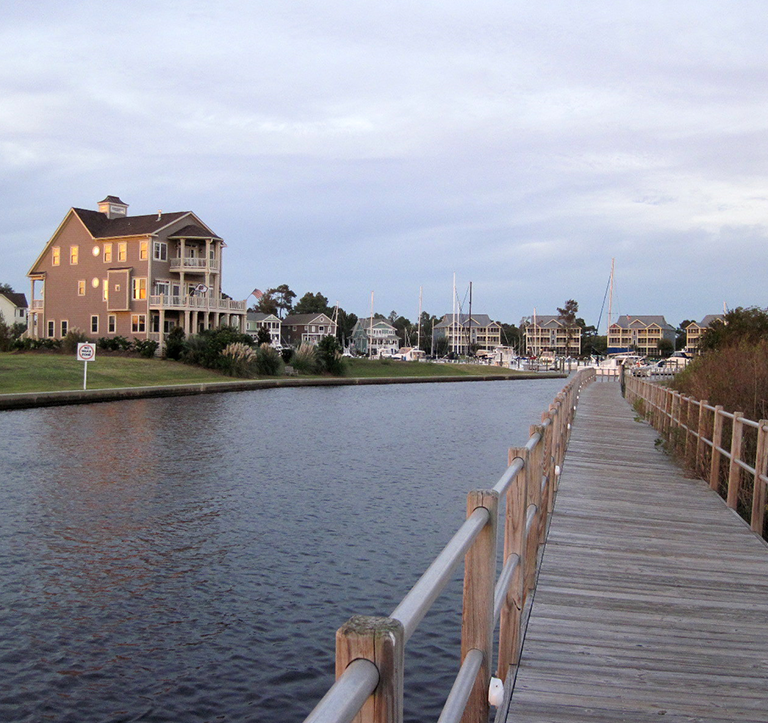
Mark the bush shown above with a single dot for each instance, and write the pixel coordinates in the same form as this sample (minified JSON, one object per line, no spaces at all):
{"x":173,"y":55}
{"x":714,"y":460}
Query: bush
{"x":113,"y":343}
{"x":287,"y":354}
{"x":206,"y":347}
{"x":73,"y":337}
{"x":734,"y":376}
{"x":268,"y":361}
{"x":175,"y":346}
{"x":237,"y":359}
{"x":145,"y":347}
{"x":328,"y":354}
{"x":304,"y":360}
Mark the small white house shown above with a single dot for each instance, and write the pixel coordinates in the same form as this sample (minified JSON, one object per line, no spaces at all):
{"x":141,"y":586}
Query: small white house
{"x":13,"y":308}
{"x":255,"y":320}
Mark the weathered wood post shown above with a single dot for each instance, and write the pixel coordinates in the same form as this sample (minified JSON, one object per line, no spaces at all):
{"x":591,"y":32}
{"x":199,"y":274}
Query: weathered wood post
{"x":759,"y":489}
{"x":734,"y":470}
{"x":717,"y":443}
{"x":514,"y":544}
{"x":533,"y":485}
{"x":477,"y":617}
{"x":380,"y":640}
{"x":701,"y":434}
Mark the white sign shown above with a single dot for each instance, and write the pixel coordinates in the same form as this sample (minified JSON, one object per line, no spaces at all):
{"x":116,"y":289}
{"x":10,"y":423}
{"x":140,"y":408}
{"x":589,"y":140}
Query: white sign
{"x":86,"y":351}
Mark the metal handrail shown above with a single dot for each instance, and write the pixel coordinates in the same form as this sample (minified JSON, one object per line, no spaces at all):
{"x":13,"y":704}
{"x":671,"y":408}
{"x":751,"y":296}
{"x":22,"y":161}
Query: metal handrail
{"x":457,"y":699}
{"x":347,"y":695}
{"x":415,"y":605}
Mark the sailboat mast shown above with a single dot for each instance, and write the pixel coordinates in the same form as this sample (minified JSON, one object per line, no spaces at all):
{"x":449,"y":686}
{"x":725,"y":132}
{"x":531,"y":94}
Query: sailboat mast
{"x":453,"y":314}
{"x":370,"y":331}
{"x":418,"y":333}
{"x":469,"y":322}
{"x":610,"y":296}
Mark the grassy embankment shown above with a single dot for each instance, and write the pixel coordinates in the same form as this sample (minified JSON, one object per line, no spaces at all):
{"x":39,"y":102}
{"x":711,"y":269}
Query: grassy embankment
{"x":21,"y":373}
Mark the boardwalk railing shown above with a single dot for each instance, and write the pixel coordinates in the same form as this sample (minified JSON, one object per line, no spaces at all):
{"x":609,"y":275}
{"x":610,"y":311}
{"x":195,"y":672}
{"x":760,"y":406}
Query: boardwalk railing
{"x":720,"y":446}
{"x":370,"y":650}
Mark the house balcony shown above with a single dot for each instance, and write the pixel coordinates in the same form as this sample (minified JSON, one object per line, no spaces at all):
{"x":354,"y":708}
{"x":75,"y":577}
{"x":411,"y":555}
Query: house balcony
{"x":37,"y":305}
{"x":194,"y":265}
{"x":195,"y":303}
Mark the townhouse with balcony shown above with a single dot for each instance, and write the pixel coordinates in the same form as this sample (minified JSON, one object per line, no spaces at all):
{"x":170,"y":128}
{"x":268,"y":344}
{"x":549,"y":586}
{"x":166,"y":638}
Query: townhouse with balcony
{"x":639,"y":333}
{"x":548,"y":334}
{"x":695,"y":330}
{"x":108,"y":273}
{"x":374,"y":338}
{"x":306,"y":329}
{"x":255,"y":320}
{"x":466,"y":334}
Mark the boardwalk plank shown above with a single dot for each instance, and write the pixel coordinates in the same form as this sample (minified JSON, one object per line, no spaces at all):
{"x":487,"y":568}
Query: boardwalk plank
{"x":652,"y":601}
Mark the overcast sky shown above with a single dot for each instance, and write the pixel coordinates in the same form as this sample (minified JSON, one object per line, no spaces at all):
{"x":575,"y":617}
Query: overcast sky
{"x":349,"y":147}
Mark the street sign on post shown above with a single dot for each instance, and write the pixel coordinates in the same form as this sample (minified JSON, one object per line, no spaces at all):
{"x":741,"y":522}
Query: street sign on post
{"x":86,"y":352}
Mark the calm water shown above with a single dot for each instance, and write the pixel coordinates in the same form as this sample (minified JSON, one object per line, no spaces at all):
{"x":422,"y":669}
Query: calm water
{"x":190,"y":559}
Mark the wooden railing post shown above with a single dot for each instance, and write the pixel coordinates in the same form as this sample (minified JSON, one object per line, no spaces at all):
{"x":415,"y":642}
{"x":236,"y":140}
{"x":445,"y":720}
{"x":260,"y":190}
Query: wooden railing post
{"x":514,"y":544}
{"x":701,"y":433}
{"x":380,"y":640}
{"x":734,"y":470}
{"x":759,"y":488}
{"x":477,"y":617}
{"x":717,"y":443}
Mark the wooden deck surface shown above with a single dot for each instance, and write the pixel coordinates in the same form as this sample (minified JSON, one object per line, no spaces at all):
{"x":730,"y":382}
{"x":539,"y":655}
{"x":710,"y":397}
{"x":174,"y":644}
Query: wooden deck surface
{"x":652,"y":602}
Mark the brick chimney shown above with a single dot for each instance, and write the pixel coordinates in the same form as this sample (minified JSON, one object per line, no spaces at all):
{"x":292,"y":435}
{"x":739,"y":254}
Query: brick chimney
{"x":113,"y":207}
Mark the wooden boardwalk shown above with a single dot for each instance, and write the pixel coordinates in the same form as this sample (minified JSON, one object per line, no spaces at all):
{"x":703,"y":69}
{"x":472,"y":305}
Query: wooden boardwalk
{"x":652,"y":601}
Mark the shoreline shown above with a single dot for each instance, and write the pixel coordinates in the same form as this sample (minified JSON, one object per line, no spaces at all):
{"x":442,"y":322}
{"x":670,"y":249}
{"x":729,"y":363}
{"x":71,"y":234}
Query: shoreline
{"x":31,"y":400}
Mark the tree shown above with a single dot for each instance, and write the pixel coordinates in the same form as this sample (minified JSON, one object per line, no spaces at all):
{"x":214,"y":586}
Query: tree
{"x":510,"y":335}
{"x":278,"y":301}
{"x":328,"y":355}
{"x":739,"y":326}
{"x":665,"y":347}
{"x":263,"y":336}
{"x":567,"y":316}
{"x":680,"y":336}
{"x":267,"y":304}
{"x":345,"y":324}
{"x":6,"y":289}
{"x":313,"y":304}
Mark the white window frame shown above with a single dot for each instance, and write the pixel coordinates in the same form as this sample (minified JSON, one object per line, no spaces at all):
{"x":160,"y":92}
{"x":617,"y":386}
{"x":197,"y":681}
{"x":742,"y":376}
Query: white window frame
{"x":112,"y":323}
{"x":94,"y":323}
{"x":160,"y":251}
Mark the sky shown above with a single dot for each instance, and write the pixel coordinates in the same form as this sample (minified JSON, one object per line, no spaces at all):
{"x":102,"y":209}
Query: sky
{"x":355,"y":147}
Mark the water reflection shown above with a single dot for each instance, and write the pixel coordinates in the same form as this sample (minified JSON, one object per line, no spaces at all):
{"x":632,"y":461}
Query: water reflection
{"x":191,"y":558}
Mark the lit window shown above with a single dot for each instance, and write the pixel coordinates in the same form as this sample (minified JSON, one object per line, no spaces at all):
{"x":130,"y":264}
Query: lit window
{"x":81,"y":288}
{"x":74,"y":252}
{"x":107,"y":253}
{"x":111,"y":323}
{"x":105,"y":288}
{"x":138,"y":322}
{"x":160,"y":251}
{"x":55,"y":256}
{"x":94,"y":324}
{"x":139,"y":288}
{"x":122,"y":251}
{"x":143,"y":251}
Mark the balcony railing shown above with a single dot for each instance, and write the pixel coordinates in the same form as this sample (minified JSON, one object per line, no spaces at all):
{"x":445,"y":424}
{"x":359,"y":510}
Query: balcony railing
{"x":194,"y":264}
{"x":37,"y":304}
{"x":194,"y":303}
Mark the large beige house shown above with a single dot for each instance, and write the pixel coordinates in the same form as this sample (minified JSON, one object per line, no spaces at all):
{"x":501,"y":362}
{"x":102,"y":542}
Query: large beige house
{"x":464,"y":333}
{"x":545,"y":333}
{"x":108,"y":273}
{"x":695,"y":330}
{"x":639,"y":333}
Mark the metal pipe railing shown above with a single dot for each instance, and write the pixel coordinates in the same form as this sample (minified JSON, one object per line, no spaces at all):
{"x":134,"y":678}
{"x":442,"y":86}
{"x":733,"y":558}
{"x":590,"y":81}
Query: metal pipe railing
{"x":370,"y":650}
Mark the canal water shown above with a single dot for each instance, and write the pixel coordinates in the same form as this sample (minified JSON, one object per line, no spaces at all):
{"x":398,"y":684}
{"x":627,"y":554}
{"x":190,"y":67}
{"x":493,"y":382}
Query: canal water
{"x":190,"y":559}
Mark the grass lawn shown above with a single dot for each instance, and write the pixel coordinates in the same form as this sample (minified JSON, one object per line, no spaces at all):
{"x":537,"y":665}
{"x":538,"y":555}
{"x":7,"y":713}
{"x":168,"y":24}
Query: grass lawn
{"x":391,"y":368}
{"x":45,"y":372}
{"x":59,"y":372}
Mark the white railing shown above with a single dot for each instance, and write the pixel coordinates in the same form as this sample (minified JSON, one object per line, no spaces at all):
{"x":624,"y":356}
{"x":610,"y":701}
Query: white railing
{"x":194,"y":264}
{"x":370,"y":650}
{"x":195,"y":303}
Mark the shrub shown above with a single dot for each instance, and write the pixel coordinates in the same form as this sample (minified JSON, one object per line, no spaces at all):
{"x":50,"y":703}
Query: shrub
{"x":73,"y":337}
{"x":304,"y":360}
{"x":145,"y":347}
{"x":287,"y":355}
{"x":206,"y":347}
{"x":175,"y":346}
{"x":328,"y":354}
{"x":237,"y":359}
{"x":268,"y":361}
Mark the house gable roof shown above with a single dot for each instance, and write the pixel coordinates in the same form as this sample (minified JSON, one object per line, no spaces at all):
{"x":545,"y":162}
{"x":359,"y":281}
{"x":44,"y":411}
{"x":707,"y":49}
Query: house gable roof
{"x":194,"y":231}
{"x":17,"y":299}
{"x":304,"y":319}
{"x":627,"y":322}
{"x":99,"y":226}
{"x":478,"y":320}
